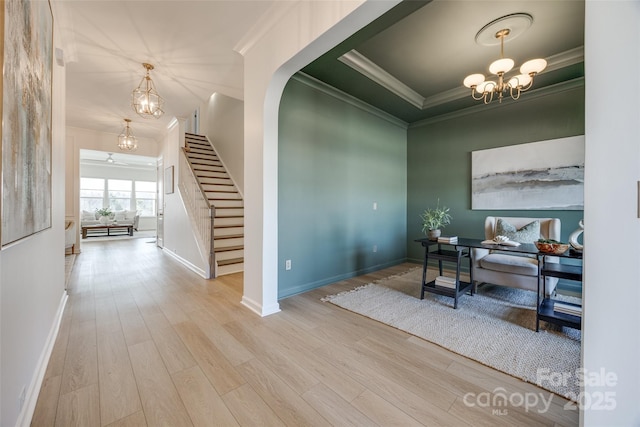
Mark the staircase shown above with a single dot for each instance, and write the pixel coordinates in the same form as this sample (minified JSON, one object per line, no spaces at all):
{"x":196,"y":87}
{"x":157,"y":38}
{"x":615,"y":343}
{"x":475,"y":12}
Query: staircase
{"x":226,"y":201}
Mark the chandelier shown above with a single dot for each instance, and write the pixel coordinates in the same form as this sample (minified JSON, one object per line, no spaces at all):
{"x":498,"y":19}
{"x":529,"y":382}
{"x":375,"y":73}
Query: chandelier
{"x":485,"y":90}
{"x":145,"y":99}
{"x":126,"y":140}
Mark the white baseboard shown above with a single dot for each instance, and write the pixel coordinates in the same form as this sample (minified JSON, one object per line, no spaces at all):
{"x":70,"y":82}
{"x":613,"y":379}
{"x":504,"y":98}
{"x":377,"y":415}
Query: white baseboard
{"x":26,"y":414}
{"x":258,"y":308}
{"x":199,"y":271}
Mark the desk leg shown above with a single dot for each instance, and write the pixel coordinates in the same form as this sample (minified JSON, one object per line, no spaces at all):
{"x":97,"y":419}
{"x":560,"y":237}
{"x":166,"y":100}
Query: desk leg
{"x":424,"y":271}
{"x":474,"y":287}
{"x":459,"y":257}
{"x":540,"y":278}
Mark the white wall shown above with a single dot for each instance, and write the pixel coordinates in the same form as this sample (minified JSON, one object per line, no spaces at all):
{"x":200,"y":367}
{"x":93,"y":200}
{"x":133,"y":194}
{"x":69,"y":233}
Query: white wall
{"x":222,"y":121}
{"x":179,"y":238}
{"x":300,"y":33}
{"x":32,"y":289}
{"x":611,"y":339}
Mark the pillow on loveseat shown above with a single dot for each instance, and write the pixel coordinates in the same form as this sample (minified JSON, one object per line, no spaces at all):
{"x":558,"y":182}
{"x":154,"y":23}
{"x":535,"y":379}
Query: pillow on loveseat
{"x":527,"y":234}
{"x":88,"y":216}
{"x":130,"y":215}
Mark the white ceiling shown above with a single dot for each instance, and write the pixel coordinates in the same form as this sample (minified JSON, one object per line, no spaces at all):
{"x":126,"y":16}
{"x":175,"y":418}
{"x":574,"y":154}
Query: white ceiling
{"x":190,"y":43}
{"x":193,"y":46}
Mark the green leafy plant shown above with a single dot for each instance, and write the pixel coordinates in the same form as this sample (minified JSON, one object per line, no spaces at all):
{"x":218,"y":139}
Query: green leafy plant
{"x":435,"y":218}
{"x":104,"y":212}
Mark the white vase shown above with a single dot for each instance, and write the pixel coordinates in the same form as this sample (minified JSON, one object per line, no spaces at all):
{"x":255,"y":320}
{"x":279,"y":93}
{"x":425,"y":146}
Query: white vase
{"x":104,"y":220}
{"x":573,"y":237}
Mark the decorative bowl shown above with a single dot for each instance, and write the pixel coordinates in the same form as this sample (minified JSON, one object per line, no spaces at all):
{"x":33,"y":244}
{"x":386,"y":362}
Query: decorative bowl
{"x":500,"y":239}
{"x":552,"y":248}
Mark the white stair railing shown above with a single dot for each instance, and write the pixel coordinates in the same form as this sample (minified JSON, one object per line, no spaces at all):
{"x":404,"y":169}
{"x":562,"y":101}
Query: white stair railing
{"x":199,"y":209}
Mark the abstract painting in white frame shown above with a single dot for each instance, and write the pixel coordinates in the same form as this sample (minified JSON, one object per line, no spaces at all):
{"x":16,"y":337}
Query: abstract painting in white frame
{"x":26,"y":119}
{"x":543,"y":175}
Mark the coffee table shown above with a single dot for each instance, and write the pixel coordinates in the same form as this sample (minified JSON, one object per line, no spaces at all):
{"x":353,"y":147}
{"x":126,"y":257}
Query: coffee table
{"x":119,"y":229}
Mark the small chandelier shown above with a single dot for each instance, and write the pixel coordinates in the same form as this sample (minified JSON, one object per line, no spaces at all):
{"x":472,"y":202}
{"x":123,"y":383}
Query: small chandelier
{"x":485,"y":90}
{"x":126,"y":140}
{"x":145,"y":99}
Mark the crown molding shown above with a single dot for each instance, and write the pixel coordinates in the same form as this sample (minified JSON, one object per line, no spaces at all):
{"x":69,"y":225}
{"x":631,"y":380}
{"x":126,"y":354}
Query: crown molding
{"x":371,"y":70}
{"x":529,"y":96}
{"x":321,"y":86}
{"x":368,"y":68}
{"x":267,"y":21}
{"x":565,"y":59}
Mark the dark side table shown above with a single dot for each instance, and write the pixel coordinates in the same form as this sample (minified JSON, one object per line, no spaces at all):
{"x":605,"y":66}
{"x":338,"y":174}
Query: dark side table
{"x":454,"y":256}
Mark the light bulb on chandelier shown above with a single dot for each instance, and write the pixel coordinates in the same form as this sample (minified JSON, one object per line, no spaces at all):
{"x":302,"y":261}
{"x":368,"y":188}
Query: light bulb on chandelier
{"x":145,"y":100}
{"x":485,"y":90}
{"x":126,"y":140}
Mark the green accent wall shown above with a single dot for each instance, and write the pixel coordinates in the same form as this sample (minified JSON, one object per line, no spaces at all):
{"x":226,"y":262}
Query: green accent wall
{"x":335,"y":159}
{"x":439,"y":158}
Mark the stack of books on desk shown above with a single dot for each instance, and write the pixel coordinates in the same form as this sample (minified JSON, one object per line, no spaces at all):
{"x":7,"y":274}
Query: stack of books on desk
{"x":573,"y":310}
{"x":452,"y":239}
{"x":446,"y":282}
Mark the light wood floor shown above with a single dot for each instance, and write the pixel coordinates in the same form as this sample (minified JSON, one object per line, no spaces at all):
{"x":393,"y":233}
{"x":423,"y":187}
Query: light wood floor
{"x":144,"y":341}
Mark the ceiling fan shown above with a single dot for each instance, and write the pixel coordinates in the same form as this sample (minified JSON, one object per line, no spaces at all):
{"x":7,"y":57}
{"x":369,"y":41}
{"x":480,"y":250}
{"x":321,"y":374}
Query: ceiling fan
{"x":112,"y":161}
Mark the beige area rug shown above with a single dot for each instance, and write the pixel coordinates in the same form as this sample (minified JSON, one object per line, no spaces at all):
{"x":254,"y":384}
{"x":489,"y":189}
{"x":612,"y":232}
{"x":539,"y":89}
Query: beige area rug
{"x":495,"y":327}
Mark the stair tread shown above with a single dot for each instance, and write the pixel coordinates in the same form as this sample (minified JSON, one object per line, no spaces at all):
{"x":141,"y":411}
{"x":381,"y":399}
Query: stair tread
{"x":219,"y":190}
{"x":199,"y":160}
{"x":213,"y":174}
{"x":219,"y":170}
{"x":230,"y":236}
{"x":202,"y":161}
{"x":230,"y":261}
{"x":195,"y":159}
{"x":229,"y":248}
{"x":201,"y":149}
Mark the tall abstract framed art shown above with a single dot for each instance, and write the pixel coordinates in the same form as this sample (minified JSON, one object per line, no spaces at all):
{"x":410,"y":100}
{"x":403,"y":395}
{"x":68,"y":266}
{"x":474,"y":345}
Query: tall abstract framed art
{"x":26,"y":118}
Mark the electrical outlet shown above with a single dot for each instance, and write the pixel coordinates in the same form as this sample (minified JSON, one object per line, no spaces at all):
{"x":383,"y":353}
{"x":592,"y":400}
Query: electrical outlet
{"x":375,"y":206}
{"x":287,"y":264}
{"x":375,"y":248}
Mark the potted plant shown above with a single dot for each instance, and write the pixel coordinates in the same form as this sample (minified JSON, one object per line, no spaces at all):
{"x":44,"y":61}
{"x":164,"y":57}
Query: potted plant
{"x":104,"y":214}
{"x":434,"y":219}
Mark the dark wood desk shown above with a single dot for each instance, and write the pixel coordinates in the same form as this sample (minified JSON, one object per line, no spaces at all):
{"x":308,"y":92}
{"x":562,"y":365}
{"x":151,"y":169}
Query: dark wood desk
{"x":462,"y":249}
